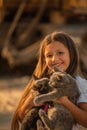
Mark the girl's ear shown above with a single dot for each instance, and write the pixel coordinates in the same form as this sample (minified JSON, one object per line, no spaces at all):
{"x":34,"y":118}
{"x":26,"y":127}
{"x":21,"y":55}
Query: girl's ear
{"x":35,"y":77}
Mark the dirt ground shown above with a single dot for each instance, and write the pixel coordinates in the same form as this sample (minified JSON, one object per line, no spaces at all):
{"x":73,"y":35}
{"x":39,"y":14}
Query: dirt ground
{"x":10,"y":92}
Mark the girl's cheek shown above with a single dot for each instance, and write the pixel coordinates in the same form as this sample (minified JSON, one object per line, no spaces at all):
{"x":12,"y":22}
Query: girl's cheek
{"x":49,"y":63}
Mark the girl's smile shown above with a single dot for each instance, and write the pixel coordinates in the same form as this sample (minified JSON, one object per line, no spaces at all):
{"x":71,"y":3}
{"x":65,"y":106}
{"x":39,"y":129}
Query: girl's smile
{"x":56,"y":54}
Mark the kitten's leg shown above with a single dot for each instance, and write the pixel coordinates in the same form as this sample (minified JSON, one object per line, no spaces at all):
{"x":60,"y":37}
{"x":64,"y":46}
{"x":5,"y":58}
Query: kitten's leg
{"x":48,"y":123}
{"x":27,"y":122}
{"x":40,"y":125}
{"x":46,"y":97}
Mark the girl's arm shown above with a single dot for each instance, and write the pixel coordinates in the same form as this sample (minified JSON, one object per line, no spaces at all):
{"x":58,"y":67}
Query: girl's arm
{"x":79,"y":112}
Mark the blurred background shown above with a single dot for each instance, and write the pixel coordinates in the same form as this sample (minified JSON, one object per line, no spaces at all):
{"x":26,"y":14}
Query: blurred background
{"x":23,"y":24}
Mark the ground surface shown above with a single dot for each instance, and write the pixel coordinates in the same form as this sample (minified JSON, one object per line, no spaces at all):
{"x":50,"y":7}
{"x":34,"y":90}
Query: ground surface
{"x":10,"y":92}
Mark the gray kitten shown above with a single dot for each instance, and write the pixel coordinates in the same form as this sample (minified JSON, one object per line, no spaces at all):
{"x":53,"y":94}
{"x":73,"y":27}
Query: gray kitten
{"x":32,"y":116}
{"x":58,"y":117}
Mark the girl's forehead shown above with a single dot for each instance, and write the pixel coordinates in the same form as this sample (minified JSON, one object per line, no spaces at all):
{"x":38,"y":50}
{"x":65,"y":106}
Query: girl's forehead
{"x":55,"y":45}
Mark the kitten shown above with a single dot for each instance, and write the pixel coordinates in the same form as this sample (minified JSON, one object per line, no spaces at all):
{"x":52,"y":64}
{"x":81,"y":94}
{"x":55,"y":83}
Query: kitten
{"x":32,"y":117}
{"x":58,"y":117}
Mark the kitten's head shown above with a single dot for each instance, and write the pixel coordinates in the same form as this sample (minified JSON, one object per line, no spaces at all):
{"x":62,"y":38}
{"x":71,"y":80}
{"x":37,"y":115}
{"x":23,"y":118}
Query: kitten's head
{"x":41,"y":84}
{"x":59,"y":79}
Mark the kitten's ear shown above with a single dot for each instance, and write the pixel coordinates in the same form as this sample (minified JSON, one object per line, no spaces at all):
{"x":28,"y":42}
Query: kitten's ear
{"x":35,"y":77}
{"x":59,"y":77}
{"x":56,"y":69}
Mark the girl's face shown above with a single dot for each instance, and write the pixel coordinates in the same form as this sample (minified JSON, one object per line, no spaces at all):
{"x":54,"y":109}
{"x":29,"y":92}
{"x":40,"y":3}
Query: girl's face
{"x":56,"y":54}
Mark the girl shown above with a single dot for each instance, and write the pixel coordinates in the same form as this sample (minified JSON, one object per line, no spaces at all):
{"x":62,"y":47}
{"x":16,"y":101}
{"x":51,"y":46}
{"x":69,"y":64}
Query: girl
{"x":57,"y":49}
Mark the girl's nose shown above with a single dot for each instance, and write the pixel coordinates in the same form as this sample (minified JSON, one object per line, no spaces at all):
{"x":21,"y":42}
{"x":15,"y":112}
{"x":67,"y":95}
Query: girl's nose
{"x":54,"y":58}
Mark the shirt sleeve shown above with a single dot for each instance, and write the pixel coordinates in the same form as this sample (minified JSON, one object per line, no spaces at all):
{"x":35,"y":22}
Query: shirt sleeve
{"x":82,"y":86}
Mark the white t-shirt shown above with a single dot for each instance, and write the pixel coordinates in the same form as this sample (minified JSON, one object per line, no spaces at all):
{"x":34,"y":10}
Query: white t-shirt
{"x":82,"y":85}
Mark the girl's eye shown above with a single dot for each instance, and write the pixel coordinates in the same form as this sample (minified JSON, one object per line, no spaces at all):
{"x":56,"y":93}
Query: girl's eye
{"x":49,"y":56}
{"x":60,"y":53}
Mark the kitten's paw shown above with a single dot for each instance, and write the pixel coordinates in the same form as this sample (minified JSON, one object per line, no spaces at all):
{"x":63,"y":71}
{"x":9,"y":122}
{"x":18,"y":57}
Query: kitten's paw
{"x":36,"y":101}
{"x":39,"y":125}
{"x":41,"y":112}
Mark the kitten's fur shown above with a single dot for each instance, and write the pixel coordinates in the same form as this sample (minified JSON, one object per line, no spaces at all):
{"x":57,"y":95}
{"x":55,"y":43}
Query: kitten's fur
{"x":58,"y":117}
{"x":30,"y":120}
